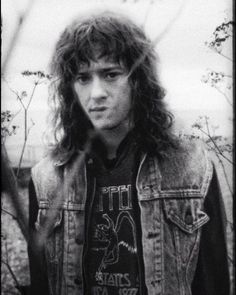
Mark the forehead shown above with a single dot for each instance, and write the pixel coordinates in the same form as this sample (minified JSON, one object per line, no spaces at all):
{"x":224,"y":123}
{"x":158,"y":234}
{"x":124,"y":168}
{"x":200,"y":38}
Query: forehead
{"x":100,"y":63}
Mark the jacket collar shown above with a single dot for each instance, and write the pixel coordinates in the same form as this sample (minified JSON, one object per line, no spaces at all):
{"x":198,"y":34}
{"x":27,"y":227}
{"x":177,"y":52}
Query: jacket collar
{"x":63,"y":159}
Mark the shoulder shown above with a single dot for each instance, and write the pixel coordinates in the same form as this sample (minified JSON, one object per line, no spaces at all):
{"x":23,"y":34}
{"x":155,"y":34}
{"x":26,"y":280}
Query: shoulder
{"x":52,"y":171}
{"x":188,"y":165}
{"x":45,"y":174}
{"x":188,"y":152}
{"x":51,"y":164}
{"x":45,"y":167}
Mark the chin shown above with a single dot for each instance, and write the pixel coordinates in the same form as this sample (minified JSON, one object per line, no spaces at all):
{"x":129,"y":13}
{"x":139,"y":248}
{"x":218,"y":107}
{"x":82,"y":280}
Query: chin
{"x":104,"y":126}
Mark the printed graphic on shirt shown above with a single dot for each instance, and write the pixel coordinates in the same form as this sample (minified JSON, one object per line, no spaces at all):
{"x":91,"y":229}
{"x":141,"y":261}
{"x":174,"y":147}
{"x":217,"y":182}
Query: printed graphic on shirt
{"x":109,"y":233}
{"x":113,"y":262}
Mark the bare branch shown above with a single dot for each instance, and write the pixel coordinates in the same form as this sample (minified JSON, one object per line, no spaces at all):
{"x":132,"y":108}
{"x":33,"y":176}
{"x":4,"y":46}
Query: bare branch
{"x":220,"y":53}
{"x":16,"y":93}
{"x":9,"y":213}
{"x":9,"y":267}
{"x":227,"y":75}
{"x":11,"y":272}
{"x":225,"y":174}
{"x":21,"y":158}
{"x":10,"y":187}
{"x":31,"y":96}
{"x":16,"y":34}
{"x":147,"y":13}
{"x":215,"y":145}
{"x":170,"y":24}
{"x":217,"y":148}
{"x":221,"y":92}
{"x":219,"y":151}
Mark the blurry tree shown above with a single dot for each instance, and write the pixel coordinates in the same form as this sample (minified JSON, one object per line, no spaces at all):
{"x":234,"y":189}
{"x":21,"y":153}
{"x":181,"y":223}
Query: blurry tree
{"x":25,"y":101}
{"x":220,"y":42}
{"x":10,"y":183}
{"x":22,"y":15}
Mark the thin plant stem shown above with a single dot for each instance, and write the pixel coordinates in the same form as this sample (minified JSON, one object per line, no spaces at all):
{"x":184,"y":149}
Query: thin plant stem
{"x":8,"y":265}
{"x":32,"y":94}
{"x":9,"y":213}
{"x":226,"y":97}
{"x":147,"y":13}
{"x":225,"y":174}
{"x":170,"y":24}
{"x":21,"y":158}
{"x":11,"y":272}
{"x":217,"y":148}
{"x":21,"y":20}
{"x":26,"y":130}
{"x":11,"y":189}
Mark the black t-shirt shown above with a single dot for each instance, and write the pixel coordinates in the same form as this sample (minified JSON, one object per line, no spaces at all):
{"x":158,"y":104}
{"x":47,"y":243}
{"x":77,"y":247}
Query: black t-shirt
{"x":113,"y":260}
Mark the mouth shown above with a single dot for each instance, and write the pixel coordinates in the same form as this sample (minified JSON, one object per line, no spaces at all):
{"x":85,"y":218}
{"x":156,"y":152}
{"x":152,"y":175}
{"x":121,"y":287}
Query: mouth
{"x":97,"y":109}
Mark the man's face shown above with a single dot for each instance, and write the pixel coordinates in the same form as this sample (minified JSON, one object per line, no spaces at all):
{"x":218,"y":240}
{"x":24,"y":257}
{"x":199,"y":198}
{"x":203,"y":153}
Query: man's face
{"x":104,"y":93}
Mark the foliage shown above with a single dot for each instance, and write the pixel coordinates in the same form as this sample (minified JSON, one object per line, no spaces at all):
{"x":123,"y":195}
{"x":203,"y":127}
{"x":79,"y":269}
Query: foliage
{"x":11,"y":259}
{"x":220,"y":146}
{"x":217,"y":143}
{"x":222,"y":82}
{"x":221,"y":34}
{"x":6,"y":128}
{"x":25,"y":100}
{"x":220,"y":41}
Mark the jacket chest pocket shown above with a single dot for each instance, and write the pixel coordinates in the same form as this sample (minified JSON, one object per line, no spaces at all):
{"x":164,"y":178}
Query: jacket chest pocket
{"x":185,"y":217}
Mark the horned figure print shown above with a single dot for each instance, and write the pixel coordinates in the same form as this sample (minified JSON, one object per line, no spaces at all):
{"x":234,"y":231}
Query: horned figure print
{"x":107,"y":236}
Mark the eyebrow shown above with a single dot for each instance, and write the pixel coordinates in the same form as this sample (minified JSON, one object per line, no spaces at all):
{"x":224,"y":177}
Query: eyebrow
{"x":101,"y":70}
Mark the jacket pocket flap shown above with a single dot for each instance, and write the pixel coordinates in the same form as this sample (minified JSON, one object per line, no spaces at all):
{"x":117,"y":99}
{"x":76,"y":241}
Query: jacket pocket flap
{"x":187,"y":213}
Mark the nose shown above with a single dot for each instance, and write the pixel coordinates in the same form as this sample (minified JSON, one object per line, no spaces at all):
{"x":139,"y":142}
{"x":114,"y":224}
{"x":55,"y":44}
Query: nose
{"x":98,"y":90}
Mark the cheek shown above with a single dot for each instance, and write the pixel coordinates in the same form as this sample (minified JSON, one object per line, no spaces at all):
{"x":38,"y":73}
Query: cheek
{"x":126,"y":98}
{"x":81,"y":96}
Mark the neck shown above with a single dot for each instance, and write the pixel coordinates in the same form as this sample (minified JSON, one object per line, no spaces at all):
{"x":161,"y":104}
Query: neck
{"x":112,"y":139}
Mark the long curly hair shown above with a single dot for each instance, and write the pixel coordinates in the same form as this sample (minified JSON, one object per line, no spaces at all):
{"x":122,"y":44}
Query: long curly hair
{"x":118,"y":37}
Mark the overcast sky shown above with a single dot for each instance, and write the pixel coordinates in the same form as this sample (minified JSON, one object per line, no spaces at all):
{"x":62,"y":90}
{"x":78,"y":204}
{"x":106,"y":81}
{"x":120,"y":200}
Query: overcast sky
{"x":183,"y":56}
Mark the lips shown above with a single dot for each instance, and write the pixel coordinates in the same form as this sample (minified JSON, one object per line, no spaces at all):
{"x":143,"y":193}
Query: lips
{"x":97,"y":109}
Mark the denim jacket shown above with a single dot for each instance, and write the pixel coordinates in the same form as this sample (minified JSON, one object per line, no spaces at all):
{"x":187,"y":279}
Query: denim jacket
{"x":170,"y":193}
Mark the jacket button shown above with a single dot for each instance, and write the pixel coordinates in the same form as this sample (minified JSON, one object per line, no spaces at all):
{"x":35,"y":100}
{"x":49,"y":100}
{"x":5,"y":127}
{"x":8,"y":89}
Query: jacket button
{"x":90,"y":163}
{"x":78,"y":281}
{"x":171,"y":212}
{"x":78,"y":240}
{"x":188,"y":219}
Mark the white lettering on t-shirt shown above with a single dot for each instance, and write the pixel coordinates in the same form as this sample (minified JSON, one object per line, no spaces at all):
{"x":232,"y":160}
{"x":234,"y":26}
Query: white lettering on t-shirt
{"x":110,"y":193}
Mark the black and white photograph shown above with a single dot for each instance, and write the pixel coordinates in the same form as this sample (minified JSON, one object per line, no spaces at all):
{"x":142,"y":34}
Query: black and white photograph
{"x":117,"y":145}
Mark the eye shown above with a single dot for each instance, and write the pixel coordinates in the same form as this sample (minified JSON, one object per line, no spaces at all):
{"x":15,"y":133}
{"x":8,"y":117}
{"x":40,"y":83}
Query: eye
{"x":83,"y":79}
{"x":110,"y":76}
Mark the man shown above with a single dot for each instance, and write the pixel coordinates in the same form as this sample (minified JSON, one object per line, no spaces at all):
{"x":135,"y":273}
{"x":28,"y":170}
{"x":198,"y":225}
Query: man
{"x":121,"y":206}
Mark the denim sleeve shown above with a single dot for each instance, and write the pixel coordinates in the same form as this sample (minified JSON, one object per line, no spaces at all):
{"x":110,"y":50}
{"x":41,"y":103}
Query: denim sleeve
{"x":37,"y":263}
{"x":212,"y":273}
